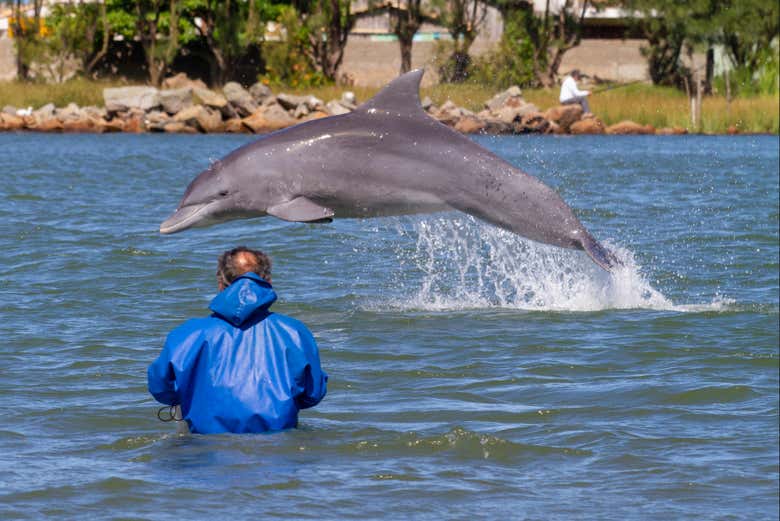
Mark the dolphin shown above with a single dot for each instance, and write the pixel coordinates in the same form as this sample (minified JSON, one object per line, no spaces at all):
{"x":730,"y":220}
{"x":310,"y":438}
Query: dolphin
{"x":387,"y":157}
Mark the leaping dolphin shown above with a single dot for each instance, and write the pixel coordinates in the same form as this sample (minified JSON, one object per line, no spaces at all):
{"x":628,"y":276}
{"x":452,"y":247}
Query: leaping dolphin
{"x":387,"y":157}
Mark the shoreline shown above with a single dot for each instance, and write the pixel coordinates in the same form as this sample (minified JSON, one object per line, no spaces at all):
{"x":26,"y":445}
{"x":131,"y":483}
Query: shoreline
{"x":185,"y":106}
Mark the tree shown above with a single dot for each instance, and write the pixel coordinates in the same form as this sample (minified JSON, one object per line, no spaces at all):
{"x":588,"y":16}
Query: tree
{"x":463,"y":19}
{"x":219,"y":24}
{"x":748,"y":29}
{"x":327,"y":23}
{"x":158,"y":30}
{"x":76,"y":30}
{"x":405,"y":21}
{"x":26,"y":32}
{"x":550,"y":33}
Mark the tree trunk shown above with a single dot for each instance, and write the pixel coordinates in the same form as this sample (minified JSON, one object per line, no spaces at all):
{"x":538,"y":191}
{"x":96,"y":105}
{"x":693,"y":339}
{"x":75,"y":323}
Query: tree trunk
{"x":90,"y":65}
{"x":406,"y":53}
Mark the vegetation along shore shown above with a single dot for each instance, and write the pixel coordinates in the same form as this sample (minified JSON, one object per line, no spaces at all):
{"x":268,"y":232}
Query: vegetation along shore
{"x":183,"y":105}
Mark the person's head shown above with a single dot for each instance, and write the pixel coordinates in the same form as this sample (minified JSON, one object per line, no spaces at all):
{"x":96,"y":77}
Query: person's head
{"x":234,"y":263}
{"x":575,"y":74}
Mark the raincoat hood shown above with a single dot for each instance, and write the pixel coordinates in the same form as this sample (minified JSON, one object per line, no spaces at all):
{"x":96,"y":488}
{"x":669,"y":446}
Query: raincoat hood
{"x":248,"y":296}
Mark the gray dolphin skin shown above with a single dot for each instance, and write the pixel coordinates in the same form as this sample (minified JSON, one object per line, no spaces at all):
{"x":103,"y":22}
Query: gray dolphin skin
{"x":388,"y":157}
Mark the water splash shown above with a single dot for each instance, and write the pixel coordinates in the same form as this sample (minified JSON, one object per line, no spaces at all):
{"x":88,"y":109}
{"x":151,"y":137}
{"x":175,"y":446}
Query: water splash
{"x":453,"y":263}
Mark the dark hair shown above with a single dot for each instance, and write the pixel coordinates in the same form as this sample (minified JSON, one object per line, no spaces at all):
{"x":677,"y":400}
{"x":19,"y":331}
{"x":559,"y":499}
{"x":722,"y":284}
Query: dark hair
{"x":574,"y":72}
{"x":234,"y":263}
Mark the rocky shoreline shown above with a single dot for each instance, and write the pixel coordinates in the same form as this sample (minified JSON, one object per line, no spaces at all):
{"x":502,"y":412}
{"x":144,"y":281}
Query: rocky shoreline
{"x":188,"y":107}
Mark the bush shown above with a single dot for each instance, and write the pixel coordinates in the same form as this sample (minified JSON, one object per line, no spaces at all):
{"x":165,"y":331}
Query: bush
{"x":511,"y":63}
{"x":286,"y":62}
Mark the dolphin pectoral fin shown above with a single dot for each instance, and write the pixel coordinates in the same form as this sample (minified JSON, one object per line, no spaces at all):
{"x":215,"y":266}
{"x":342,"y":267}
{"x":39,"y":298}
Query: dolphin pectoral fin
{"x":301,"y":210}
{"x":600,"y":255}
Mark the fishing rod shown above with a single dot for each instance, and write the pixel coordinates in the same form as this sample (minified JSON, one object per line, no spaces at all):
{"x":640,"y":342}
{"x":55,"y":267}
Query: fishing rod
{"x":618,"y":86}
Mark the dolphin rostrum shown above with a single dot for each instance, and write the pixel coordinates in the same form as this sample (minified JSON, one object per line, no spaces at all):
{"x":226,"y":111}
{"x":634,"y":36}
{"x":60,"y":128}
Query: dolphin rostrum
{"x":387,"y":157}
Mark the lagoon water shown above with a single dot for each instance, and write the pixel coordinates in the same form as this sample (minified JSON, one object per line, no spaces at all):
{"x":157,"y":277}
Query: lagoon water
{"x":473,"y":374}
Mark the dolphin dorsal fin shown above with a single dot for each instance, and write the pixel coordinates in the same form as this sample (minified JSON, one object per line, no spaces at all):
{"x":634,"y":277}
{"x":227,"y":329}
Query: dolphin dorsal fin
{"x":400,"y":95}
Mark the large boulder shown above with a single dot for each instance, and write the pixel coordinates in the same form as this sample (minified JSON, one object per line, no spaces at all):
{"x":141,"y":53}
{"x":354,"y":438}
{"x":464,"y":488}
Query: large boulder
{"x":133,"y":121}
{"x":630,"y":128}
{"x":156,"y":120}
{"x":84,"y":123}
{"x":209,"y":98}
{"x":512,"y":112}
{"x":122,"y":99}
{"x":182,"y":81}
{"x":70,"y":112}
{"x":470,"y":125}
{"x":11,"y":122}
{"x":335,"y":108}
{"x":533,"y":123}
{"x":234,"y":126}
{"x":240,"y":98}
{"x":44,"y":113}
{"x":268,"y":119}
{"x":260,"y":92}
{"x":176,"y":100}
{"x":500,"y":99}
{"x":202,"y":118}
{"x":564,"y":115}
{"x":448,"y":113}
{"x":587,"y":126}
{"x":292,"y":102}
{"x":51,"y":124}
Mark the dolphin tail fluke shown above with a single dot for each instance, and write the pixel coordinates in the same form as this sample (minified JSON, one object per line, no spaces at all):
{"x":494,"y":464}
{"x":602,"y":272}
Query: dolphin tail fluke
{"x":600,"y":255}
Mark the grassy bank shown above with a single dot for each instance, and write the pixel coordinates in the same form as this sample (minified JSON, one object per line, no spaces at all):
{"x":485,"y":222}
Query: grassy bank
{"x":646,"y":104}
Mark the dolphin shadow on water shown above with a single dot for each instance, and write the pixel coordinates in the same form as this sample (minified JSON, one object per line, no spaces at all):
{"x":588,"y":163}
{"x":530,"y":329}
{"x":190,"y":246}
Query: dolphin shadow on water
{"x":387,"y":157}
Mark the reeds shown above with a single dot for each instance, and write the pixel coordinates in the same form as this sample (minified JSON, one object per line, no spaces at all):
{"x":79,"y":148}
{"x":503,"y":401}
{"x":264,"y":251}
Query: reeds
{"x":81,"y":91}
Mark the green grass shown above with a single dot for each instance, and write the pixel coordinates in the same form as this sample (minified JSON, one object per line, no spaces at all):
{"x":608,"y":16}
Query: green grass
{"x":645,"y":104}
{"x":81,"y":91}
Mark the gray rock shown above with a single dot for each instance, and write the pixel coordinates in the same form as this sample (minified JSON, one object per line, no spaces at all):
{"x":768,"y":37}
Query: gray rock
{"x":290,"y":101}
{"x":348,"y":98}
{"x":181,"y":81}
{"x":125,"y":98}
{"x":335,"y":108}
{"x":301,"y":111}
{"x":209,"y":98}
{"x":46,"y":111}
{"x":156,"y":120}
{"x":202,"y":118}
{"x":176,"y":100}
{"x":71,"y":112}
{"x":260,"y":91}
{"x":426,"y":103}
{"x":268,"y":119}
{"x":240,"y":98}
{"x":95,"y":112}
{"x":500,"y":99}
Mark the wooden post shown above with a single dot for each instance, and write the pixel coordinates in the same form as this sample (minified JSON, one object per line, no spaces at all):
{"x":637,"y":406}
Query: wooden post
{"x":728,"y":97}
{"x":698,"y":100}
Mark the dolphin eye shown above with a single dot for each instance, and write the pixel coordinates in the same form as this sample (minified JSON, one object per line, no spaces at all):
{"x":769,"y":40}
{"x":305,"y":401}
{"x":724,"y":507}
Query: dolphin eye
{"x":223,"y":193}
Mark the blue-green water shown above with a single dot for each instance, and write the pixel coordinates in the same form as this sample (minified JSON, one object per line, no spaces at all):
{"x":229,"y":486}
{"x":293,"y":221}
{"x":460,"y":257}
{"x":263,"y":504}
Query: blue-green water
{"x":473,"y":375}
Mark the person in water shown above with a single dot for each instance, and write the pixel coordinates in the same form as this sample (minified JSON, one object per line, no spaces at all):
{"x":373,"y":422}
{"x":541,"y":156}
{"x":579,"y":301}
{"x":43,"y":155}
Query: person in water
{"x":570,"y":94}
{"x":243,"y":369}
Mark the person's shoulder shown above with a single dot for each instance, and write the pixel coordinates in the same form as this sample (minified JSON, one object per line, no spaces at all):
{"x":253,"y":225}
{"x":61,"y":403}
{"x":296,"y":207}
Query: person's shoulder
{"x":291,"y":325}
{"x":200,"y":325}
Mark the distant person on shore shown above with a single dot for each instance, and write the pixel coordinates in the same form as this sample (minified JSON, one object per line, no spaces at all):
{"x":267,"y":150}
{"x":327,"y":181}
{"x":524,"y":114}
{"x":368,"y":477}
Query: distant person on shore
{"x":570,"y":94}
{"x":243,"y":369}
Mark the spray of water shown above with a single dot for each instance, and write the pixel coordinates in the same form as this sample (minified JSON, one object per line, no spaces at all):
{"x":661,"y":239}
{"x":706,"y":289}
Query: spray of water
{"x":456,"y":263}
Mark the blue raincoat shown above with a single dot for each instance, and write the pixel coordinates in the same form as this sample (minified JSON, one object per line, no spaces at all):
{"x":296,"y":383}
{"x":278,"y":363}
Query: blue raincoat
{"x":243,"y":369}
